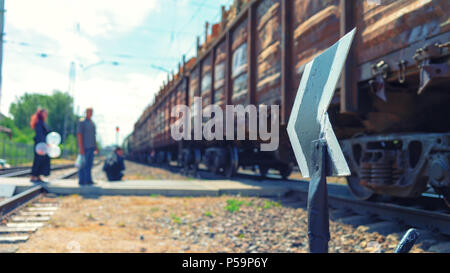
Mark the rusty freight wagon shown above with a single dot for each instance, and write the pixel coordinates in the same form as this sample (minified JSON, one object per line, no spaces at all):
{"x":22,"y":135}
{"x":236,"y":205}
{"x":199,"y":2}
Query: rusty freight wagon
{"x":390,"y":111}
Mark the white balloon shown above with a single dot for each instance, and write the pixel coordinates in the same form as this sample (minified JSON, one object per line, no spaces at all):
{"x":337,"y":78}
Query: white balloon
{"x":41,"y":148}
{"x":53,"y":138}
{"x":53,"y":151}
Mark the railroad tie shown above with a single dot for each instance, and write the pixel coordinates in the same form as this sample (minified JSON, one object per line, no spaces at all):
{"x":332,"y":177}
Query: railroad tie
{"x":13,"y":239}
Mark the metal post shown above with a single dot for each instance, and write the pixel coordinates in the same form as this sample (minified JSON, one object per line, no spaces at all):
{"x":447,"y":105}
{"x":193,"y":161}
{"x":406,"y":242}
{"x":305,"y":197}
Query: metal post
{"x":348,"y":92}
{"x":318,"y":218}
{"x":408,"y":241}
{"x":15,"y":154}
{"x":251,"y":53}
{"x":2,"y":20}
{"x":228,"y":70}
{"x":4,"y":149}
{"x":287,"y":56}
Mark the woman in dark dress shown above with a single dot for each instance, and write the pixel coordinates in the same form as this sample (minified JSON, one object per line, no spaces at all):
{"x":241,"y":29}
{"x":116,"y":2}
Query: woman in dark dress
{"x":41,"y":163}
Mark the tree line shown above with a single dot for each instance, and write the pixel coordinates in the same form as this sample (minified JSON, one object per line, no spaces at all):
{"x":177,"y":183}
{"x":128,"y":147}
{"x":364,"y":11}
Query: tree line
{"x":59,"y":105}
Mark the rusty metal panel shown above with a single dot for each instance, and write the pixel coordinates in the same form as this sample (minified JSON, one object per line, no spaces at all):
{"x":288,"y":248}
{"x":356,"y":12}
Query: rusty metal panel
{"x":394,"y":25}
{"x":182,"y":92}
{"x":219,"y":74}
{"x":268,"y":48}
{"x":316,"y":27}
{"x":206,"y":80}
{"x":193,"y":84}
{"x":251,"y":52}
{"x":348,"y":91}
{"x":287,"y":71}
{"x":239,"y":67}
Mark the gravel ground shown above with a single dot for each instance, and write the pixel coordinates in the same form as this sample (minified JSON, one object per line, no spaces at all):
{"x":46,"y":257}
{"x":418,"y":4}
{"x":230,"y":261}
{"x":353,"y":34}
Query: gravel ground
{"x":135,"y":171}
{"x":205,"y":224}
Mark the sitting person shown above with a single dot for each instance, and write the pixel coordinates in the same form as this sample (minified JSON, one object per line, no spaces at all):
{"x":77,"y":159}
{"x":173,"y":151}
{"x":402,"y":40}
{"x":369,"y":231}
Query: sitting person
{"x":114,"y":165}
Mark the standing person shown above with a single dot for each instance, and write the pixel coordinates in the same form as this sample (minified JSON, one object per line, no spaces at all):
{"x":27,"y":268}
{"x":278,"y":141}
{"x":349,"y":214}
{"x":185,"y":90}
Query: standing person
{"x":41,"y":163}
{"x":88,"y":147}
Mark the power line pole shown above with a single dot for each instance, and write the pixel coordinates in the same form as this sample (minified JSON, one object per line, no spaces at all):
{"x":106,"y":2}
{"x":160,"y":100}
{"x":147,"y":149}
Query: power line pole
{"x":70,"y":92}
{"x":2,"y":23}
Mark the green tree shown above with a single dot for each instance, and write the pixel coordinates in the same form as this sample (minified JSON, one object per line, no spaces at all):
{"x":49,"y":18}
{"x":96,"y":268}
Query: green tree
{"x":59,"y":105}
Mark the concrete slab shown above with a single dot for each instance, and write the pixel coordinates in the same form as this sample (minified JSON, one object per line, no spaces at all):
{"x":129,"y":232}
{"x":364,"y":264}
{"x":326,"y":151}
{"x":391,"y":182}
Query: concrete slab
{"x":30,"y":218}
{"x":8,"y":249}
{"x":6,"y":230}
{"x":25,"y":225}
{"x":45,"y":204}
{"x":386,"y":228}
{"x":189,"y":187}
{"x":36,"y":213}
{"x":12,"y":239}
{"x":441,"y":248}
{"x":357,"y":220}
{"x":39,"y":209}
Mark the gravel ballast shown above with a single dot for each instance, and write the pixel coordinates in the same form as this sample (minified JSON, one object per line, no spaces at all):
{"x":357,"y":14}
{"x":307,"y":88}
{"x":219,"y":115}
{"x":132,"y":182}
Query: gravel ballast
{"x":203,"y":224}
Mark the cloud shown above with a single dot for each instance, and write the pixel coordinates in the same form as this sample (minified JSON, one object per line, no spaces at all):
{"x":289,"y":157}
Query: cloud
{"x":60,"y":20}
{"x":51,"y":26}
{"x":117,"y":102}
{"x":98,"y":17}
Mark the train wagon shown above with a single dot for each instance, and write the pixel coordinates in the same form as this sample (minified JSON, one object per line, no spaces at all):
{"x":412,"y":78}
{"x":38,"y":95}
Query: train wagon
{"x":390,"y":111}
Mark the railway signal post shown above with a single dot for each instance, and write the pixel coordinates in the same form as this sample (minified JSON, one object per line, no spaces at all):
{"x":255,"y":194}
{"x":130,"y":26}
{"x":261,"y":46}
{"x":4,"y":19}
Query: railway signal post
{"x":316,"y":148}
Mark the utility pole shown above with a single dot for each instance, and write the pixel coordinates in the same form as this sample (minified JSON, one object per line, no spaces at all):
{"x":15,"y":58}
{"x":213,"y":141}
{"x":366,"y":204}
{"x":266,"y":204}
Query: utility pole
{"x":117,"y":135}
{"x":2,"y":23}
{"x":70,"y":92}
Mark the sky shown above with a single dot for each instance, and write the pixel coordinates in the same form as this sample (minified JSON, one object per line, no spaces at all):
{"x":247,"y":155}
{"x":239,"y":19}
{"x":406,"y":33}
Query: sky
{"x":121,"y":51}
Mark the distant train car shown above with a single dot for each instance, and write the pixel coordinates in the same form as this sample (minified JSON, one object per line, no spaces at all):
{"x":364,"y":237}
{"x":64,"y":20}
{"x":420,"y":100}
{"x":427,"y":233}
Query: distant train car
{"x":390,"y":110}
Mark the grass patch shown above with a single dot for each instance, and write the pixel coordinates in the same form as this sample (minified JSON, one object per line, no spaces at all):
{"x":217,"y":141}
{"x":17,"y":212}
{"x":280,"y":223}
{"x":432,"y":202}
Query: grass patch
{"x":175,"y":219}
{"x":90,"y":217}
{"x":249,"y":203}
{"x":233,"y":205}
{"x":271,"y":204}
{"x":154,"y":209}
{"x":154,"y":195}
{"x":208,"y":214}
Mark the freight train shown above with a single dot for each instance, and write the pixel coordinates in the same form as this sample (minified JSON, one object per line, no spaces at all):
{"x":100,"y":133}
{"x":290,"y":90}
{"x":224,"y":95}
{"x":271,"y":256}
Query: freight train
{"x":391,"y":109}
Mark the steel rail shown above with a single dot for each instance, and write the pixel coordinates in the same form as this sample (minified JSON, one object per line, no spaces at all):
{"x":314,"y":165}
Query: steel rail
{"x":433,"y":220}
{"x":18,"y":200}
{"x":28,"y":170}
{"x":12,"y":169}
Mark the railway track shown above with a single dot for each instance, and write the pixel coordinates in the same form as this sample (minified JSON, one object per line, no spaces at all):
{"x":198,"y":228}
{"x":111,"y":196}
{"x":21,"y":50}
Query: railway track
{"x":22,"y":215}
{"x":387,"y":217}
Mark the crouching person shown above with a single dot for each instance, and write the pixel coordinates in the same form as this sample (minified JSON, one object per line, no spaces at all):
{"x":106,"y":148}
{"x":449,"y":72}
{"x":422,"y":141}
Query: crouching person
{"x":114,"y":165}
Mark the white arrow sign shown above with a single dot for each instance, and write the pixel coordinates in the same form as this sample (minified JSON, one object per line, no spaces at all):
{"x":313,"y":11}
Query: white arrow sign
{"x":309,"y":119}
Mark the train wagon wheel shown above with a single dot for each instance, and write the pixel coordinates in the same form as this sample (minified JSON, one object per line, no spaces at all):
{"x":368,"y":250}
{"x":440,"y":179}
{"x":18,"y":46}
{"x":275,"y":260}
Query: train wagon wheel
{"x":232,"y":165}
{"x":215,"y":166}
{"x":359,"y":191}
{"x":168,"y":158}
{"x":263,"y":170}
